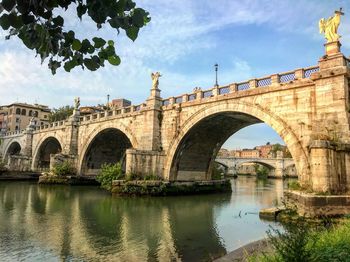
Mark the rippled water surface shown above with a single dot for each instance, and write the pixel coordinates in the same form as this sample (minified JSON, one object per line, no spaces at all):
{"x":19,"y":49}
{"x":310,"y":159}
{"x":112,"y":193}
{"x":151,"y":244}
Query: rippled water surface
{"x":61,"y":223}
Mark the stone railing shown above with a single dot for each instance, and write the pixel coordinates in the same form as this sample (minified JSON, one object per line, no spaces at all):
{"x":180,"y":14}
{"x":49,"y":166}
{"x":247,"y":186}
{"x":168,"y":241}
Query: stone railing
{"x":266,"y":81}
{"x":13,"y":133}
{"x":112,"y":113}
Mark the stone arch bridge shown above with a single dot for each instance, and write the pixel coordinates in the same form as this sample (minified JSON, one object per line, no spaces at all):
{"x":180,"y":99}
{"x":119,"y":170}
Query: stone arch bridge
{"x":178,"y":138}
{"x":278,"y":165}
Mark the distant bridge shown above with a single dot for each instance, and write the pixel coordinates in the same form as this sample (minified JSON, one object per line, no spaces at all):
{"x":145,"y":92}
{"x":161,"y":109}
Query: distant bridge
{"x":279,"y":165}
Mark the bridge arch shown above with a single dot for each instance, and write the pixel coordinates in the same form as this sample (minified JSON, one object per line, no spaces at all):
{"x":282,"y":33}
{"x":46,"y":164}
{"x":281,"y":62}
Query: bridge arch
{"x":47,"y":145}
{"x":195,"y":147}
{"x":13,"y":148}
{"x":105,"y":144}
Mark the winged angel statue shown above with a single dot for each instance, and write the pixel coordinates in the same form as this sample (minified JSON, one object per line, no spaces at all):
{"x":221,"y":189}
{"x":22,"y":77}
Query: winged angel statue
{"x":155,"y":79}
{"x":330,"y":26}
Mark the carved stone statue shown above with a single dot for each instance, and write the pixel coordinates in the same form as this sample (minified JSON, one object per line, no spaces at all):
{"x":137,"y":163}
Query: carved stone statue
{"x":197,"y":89}
{"x":330,"y":26}
{"x":76,"y":103}
{"x":155,"y":80}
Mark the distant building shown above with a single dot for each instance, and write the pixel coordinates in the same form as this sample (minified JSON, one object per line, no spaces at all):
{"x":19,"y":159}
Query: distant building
{"x":119,"y":103}
{"x":250,"y":153}
{"x":87,"y":110}
{"x":17,"y":116}
{"x":264,"y":150}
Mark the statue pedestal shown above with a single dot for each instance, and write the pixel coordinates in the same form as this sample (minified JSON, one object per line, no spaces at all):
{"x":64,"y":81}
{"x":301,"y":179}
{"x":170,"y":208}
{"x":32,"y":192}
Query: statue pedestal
{"x":332,"y":48}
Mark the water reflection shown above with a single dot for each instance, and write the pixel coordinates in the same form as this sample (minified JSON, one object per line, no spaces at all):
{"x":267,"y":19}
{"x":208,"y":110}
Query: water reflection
{"x":84,"y":223}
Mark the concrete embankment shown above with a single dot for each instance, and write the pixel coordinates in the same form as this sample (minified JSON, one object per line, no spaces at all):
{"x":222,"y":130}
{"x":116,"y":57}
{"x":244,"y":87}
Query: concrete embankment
{"x":242,"y":253}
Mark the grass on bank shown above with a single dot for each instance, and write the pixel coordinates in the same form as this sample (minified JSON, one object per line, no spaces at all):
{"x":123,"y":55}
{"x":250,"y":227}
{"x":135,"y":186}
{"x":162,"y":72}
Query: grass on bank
{"x":305,"y":243}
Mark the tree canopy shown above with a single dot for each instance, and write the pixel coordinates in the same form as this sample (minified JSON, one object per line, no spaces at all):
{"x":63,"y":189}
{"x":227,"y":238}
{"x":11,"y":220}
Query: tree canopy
{"x":61,"y":113}
{"x":40,"y":28}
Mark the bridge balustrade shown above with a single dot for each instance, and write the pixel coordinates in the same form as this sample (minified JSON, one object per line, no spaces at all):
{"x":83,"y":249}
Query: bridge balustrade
{"x":224,"y":90}
{"x":243,"y":86}
{"x":264,"y":82}
{"x":309,"y":71}
{"x":178,"y":99}
{"x":207,"y":93}
{"x":287,"y":77}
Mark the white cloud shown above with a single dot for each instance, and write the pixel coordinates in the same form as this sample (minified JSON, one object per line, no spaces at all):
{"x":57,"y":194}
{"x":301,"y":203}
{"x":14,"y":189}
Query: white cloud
{"x":178,"y":28}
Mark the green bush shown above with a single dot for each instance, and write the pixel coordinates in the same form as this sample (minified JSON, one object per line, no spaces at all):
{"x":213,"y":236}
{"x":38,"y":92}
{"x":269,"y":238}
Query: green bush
{"x":132,"y":177}
{"x":294,"y":185}
{"x":261,"y":171}
{"x":108,"y":173}
{"x":216,"y":172}
{"x":303,"y":242}
{"x":65,"y":168}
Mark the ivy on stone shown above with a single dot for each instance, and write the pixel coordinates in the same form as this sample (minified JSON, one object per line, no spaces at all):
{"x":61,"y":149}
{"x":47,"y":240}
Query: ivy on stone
{"x":35,"y":22}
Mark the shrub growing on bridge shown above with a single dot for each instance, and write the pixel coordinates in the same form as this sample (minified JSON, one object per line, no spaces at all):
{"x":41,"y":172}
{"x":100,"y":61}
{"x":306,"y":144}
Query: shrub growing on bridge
{"x":65,"y":168}
{"x":108,"y":173}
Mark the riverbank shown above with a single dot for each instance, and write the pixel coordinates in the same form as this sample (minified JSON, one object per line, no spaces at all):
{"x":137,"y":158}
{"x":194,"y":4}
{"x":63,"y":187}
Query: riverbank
{"x":68,"y":180}
{"x":167,"y":188}
{"x":301,"y":240}
{"x":19,"y":176}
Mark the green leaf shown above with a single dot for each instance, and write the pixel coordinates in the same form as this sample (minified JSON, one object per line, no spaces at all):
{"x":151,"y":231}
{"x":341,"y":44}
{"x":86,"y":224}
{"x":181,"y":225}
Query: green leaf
{"x":91,"y":64}
{"x":85,"y":45}
{"x":76,"y":45}
{"x":81,"y":10}
{"x":138,"y":17}
{"x":15,"y":21}
{"x":8,"y":4}
{"x":58,"y":21}
{"x":132,"y":33}
{"x":110,"y":42}
{"x":114,"y":60}
{"x":5,"y":22}
{"x":99,"y":42}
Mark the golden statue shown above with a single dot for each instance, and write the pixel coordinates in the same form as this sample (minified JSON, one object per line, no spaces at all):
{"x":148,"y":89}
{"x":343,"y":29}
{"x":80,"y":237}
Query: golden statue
{"x":330,"y":26}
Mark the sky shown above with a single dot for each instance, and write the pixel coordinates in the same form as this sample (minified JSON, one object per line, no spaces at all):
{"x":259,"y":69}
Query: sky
{"x":185,"y":38}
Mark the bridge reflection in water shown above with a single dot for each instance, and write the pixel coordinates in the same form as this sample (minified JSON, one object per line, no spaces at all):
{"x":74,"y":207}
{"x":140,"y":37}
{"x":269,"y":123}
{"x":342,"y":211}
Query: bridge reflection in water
{"x":83,"y":223}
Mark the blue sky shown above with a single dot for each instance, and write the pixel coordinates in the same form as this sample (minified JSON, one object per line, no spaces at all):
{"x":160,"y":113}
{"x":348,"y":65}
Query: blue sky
{"x":247,"y":38}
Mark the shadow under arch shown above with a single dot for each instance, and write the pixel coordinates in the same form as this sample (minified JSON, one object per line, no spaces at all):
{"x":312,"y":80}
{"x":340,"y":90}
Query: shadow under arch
{"x":192,"y":153}
{"x":50,"y":145}
{"x":14,"y":148}
{"x":106,"y":146}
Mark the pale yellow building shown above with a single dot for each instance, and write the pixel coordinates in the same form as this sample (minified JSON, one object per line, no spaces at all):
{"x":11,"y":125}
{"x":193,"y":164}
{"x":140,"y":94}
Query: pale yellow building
{"x":17,"y":116}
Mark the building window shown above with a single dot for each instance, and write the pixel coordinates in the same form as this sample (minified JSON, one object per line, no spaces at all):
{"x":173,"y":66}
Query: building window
{"x":30,"y":113}
{"x":36,"y":113}
{"x":17,"y":120}
{"x":45,"y":116}
{"x":18,"y":111}
{"x":24,"y":112}
{"x":16,"y":128}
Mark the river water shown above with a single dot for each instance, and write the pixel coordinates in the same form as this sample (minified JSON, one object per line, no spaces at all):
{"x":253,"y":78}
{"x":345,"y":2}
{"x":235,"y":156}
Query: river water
{"x":62,"y":223}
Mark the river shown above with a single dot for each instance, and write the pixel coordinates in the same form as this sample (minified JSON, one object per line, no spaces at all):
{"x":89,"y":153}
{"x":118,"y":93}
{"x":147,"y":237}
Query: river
{"x":62,"y":223}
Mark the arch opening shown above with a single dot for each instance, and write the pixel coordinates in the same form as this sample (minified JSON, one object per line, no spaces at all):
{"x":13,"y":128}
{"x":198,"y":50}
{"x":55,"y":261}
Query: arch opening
{"x":50,"y":146}
{"x":107,"y":147}
{"x":197,"y":150}
{"x":254,"y":168}
{"x":14,"y":149}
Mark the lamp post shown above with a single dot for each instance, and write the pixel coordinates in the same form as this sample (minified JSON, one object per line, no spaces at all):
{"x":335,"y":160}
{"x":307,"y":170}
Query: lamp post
{"x":107,"y":102}
{"x":216,"y":74}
